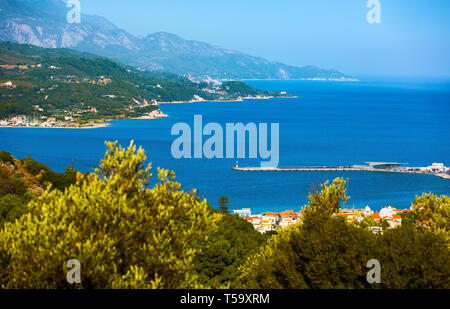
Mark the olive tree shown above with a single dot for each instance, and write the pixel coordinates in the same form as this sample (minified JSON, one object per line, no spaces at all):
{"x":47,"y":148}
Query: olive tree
{"x":124,"y":233}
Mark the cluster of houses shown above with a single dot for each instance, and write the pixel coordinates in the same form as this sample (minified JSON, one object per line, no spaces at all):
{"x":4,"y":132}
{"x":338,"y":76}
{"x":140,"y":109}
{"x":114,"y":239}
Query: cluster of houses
{"x":24,"y":121}
{"x":271,"y":221}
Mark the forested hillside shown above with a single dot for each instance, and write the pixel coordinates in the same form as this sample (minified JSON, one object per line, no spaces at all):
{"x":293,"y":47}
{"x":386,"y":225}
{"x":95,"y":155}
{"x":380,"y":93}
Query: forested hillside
{"x":66,"y":83}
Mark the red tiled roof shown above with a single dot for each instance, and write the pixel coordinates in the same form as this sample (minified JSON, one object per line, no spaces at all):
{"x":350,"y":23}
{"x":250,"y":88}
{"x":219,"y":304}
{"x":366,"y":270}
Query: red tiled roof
{"x":287,"y":213}
{"x":376,"y":216}
{"x":270,"y":214}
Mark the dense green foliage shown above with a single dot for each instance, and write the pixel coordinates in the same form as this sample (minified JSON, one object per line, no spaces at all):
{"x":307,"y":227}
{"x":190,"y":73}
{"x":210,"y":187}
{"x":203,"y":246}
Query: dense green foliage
{"x":23,"y":180}
{"x":12,"y":207}
{"x":7,"y":158}
{"x":46,"y":175}
{"x":226,"y":250}
{"x":239,"y":89}
{"x":433,"y":214}
{"x":413,"y":259}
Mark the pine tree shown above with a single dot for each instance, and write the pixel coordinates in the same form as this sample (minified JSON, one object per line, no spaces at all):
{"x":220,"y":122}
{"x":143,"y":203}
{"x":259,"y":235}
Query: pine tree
{"x":224,"y":203}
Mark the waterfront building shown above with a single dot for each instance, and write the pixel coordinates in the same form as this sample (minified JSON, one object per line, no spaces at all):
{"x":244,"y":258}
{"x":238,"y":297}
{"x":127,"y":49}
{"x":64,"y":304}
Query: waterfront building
{"x":437,"y":168}
{"x":391,"y":166}
{"x":19,"y":120}
{"x":243,"y":213}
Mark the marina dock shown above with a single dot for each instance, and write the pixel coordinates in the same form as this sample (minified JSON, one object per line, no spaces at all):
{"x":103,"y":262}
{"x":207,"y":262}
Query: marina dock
{"x":437,"y":169}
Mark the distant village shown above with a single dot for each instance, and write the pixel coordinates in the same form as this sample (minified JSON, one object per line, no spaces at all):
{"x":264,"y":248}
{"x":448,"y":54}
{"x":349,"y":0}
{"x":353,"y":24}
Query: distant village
{"x":271,"y":221}
{"x":71,"y":118}
{"x":44,"y":121}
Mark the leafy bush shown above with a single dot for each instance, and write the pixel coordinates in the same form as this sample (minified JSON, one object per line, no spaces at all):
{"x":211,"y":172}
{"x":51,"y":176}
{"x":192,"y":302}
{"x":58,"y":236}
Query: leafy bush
{"x":12,"y":186}
{"x":12,"y":207}
{"x":413,"y":259}
{"x":433,"y":214}
{"x":6,"y":158}
{"x":46,"y":175}
{"x":226,"y":249}
{"x":125,"y":234}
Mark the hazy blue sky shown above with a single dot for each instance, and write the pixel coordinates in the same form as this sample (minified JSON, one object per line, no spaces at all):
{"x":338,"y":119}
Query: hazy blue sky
{"x":413,"y":38}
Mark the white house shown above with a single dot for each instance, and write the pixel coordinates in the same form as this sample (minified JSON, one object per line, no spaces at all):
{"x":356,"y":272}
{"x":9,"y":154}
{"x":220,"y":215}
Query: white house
{"x":388,"y":212}
{"x":19,"y":120}
{"x":437,"y":168}
{"x":269,"y":221}
{"x":256,"y":221}
{"x":367,"y":211}
{"x":243,"y":213}
{"x":288,"y":218}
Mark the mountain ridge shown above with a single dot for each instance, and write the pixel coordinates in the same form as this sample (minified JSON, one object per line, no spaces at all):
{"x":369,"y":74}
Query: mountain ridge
{"x":43,"y":23}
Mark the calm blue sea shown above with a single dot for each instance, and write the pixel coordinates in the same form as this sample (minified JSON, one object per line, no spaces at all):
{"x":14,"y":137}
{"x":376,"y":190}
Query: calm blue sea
{"x":330,"y":123}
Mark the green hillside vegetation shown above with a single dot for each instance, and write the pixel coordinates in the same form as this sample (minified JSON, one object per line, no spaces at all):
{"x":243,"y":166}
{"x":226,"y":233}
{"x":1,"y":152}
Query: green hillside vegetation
{"x":24,"y":180}
{"x":64,"y":82}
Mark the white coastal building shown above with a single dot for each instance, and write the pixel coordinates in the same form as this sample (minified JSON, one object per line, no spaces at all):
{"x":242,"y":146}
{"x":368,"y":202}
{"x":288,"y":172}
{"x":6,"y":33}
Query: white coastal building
{"x":437,"y":168}
{"x":367,"y":211}
{"x":243,"y":213}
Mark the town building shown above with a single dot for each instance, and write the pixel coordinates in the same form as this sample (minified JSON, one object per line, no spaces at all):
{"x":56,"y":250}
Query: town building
{"x":437,"y":168}
{"x":390,"y":215}
{"x":19,"y":120}
{"x":271,"y":221}
{"x":288,"y":218}
{"x":243,"y":213}
{"x":255,"y":221}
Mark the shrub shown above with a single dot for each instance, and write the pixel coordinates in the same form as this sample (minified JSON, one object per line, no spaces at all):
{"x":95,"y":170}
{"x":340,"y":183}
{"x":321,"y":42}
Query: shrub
{"x":6,"y":158}
{"x":46,"y":175}
{"x":12,"y":186}
{"x":413,"y":259}
{"x":124,"y":234}
{"x":226,"y":250}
